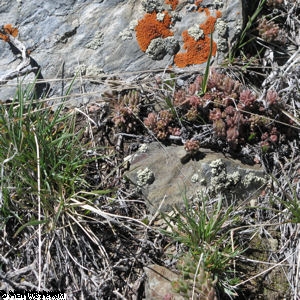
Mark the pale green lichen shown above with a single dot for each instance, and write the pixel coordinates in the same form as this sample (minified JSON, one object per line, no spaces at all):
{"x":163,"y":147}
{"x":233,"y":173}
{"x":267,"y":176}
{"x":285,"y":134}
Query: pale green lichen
{"x":152,"y":5}
{"x":144,"y":177}
{"x":195,"y":178}
{"x":160,"y":17}
{"x":222,"y":44}
{"x":156,"y":49}
{"x":97,"y":41}
{"x":160,"y":47}
{"x":196,"y":32}
{"x":221,"y":27}
{"x":80,"y":70}
{"x":222,"y":181}
{"x":91,"y":71}
{"x":175,"y":17}
{"x":217,"y":166}
{"x":127,"y":33}
{"x":234,"y":178}
{"x":222,"y":30}
{"x":143,"y":148}
{"x":238,"y":27}
{"x":219,"y":180}
{"x":133,"y":24}
{"x":251,"y":179}
{"x":172,"y":45}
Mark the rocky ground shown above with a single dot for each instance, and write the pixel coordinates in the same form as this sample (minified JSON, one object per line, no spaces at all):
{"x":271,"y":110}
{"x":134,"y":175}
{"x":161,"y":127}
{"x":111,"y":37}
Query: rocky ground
{"x":144,"y":139}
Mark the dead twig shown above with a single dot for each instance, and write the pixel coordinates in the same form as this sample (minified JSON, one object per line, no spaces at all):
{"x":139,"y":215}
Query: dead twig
{"x":28,"y":65}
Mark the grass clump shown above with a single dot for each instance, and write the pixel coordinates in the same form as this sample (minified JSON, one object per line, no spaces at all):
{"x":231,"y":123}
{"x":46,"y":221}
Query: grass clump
{"x":45,"y":193}
{"x":246,"y":37}
{"x":41,"y":157}
{"x":207,"y":262}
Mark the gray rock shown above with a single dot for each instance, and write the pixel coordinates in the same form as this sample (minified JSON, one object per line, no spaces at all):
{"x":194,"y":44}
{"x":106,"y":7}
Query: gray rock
{"x":100,"y":34}
{"x":174,"y":177}
{"x":158,"y":284}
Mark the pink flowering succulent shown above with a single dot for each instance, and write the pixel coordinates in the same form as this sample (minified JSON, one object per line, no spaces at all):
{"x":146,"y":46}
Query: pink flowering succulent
{"x":272,"y":97}
{"x":274,"y":3}
{"x":125,"y":119}
{"x":219,"y":125}
{"x":192,"y":146}
{"x":224,"y":83}
{"x":233,"y":114}
{"x":247,"y":100}
{"x":268,"y":30}
{"x":160,"y":124}
{"x":151,"y":121}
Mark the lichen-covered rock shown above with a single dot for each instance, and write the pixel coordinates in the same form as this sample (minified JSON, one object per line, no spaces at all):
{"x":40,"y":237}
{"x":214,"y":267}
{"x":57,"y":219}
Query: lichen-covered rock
{"x":223,"y":181}
{"x":160,"y":47}
{"x":212,"y":173}
{"x":196,"y":32}
{"x":144,"y":177}
{"x":103,"y":35}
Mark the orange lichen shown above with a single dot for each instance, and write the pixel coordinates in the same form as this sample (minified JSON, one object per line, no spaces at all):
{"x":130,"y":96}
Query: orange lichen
{"x":218,"y":14}
{"x":197,"y":52}
{"x":4,"y":37}
{"x":7,"y":30}
{"x":209,"y":25}
{"x":11,"y":30}
{"x":173,"y":3}
{"x":150,"y":28}
{"x":206,"y":10}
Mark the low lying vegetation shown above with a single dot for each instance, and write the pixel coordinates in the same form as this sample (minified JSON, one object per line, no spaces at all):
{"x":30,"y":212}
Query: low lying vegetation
{"x":63,"y":227}
{"x":71,"y":222}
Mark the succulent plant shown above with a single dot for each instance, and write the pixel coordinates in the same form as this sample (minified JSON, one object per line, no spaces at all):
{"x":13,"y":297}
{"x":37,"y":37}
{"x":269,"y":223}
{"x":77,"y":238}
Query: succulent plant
{"x":192,"y":146}
{"x":237,"y":115}
{"x":247,"y":100}
{"x":224,"y":83}
{"x":274,"y":3}
{"x":126,"y":111}
{"x":268,"y":30}
{"x":161,"y":124}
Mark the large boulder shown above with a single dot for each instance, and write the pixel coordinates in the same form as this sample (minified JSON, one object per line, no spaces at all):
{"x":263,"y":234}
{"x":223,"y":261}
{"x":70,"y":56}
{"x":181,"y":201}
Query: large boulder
{"x":90,"y":38}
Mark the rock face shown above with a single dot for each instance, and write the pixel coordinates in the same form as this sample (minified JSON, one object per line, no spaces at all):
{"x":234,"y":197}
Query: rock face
{"x":117,"y":36}
{"x":166,"y":175}
{"x":158,"y":283}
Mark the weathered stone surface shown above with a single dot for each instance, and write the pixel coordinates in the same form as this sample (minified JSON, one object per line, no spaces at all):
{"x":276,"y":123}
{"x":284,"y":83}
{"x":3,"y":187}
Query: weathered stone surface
{"x":158,"y":283}
{"x":100,"y":35}
{"x":172,"y":175}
